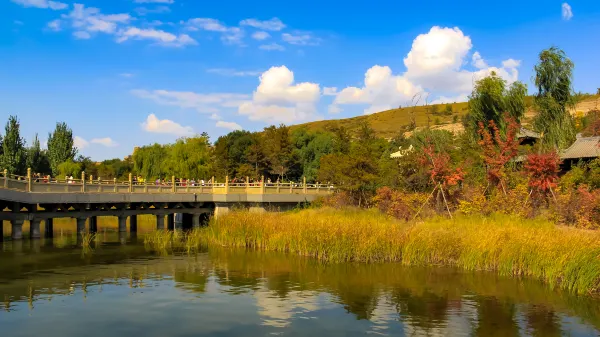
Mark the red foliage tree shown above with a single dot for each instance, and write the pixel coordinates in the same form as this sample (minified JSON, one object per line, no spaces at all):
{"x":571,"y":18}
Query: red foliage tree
{"x":440,"y":169}
{"x":498,"y":150}
{"x":542,"y":170}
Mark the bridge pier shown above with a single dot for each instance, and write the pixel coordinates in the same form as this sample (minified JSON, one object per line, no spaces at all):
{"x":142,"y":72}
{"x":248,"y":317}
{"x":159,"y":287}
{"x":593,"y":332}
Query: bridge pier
{"x":122,"y":223}
{"x":133,"y":223}
{"x":170,"y":222}
{"x":81,"y":225}
{"x":160,"y":221}
{"x":34,"y":228}
{"x":49,"y":228}
{"x":196,"y":220}
{"x":93,"y":224}
{"x":221,"y":208}
{"x":17,"y":229}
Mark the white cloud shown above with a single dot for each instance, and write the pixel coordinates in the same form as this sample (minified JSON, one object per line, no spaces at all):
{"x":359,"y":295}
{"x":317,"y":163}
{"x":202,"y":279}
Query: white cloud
{"x":89,"y":20}
{"x":330,"y":91}
{"x":278,"y":99}
{"x":260,"y":35}
{"x":381,"y":91}
{"x":155,"y":125}
{"x":205,"y":103}
{"x":229,"y":35}
{"x":334,"y":109}
{"x":126,"y":75}
{"x":215,"y":117}
{"x":567,"y":12}
{"x":54,"y":5}
{"x":154,"y":1}
{"x":80,"y":143}
{"x":156,"y":10}
{"x":160,"y":36}
{"x":300,"y":39}
{"x":228,"y":125}
{"x":54,"y":25}
{"x":435,"y":64}
{"x":81,"y":35}
{"x":108,"y":142}
{"x":233,"y":73}
{"x":272,"y":47}
{"x":478,"y":62}
{"x":273,"y":24}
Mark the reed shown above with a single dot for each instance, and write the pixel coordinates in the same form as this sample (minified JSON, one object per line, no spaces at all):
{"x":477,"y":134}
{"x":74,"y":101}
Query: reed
{"x":86,"y":241}
{"x":564,"y":257}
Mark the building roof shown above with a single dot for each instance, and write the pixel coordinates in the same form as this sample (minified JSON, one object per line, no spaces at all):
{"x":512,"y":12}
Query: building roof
{"x":584,"y":147}
{"x":526,"y":133}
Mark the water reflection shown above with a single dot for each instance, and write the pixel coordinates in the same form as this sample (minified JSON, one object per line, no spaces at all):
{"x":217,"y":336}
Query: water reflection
{"x":121,"y":290}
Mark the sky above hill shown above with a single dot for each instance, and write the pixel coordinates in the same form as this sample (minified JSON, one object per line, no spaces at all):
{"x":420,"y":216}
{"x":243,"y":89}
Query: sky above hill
{"x":125,"y":73}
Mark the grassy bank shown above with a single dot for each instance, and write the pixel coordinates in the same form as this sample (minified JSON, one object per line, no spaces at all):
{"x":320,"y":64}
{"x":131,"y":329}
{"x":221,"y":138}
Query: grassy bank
{"x":564,"y":257}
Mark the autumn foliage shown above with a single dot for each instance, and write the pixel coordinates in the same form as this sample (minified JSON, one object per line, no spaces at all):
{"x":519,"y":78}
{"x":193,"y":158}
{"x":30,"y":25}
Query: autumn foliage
{"x":439,"y":167}
{"x":498,"y":150}
{"x":542,"y":171}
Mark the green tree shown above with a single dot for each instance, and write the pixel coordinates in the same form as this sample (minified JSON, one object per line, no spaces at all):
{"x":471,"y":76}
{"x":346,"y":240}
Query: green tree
{"x":70,"y":168}
{"x":491,"y":98}
{"x":277,"y":149}
{"x":35,"y":156}
{"x":148,"y":161}
{"x":553,"y":78}
{"x":60,"y":146}
{"x":309,"y":148}
{"x":448,"y":110}
{"x":13,"y":148}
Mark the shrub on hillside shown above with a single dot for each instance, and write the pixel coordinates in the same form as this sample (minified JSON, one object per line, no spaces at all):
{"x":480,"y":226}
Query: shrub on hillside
{"x":578,"y":207}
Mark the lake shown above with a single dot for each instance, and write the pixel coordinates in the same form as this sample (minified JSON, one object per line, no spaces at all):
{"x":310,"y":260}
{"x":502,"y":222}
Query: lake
{"x":52,"y":288}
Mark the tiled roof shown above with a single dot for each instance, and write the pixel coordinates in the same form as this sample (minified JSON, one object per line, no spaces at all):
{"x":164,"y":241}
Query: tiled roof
{"x":525,"y":133}
{"x":585,"y":147}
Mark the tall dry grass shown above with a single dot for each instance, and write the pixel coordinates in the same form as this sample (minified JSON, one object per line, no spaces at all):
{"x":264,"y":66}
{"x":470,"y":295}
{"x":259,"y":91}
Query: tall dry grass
{"x":565,"y":257}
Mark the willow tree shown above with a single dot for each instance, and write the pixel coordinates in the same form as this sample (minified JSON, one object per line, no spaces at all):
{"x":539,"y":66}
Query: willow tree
{"x":60,"y":146}
{"x":491,"y":98}
{"x":553,"y":79}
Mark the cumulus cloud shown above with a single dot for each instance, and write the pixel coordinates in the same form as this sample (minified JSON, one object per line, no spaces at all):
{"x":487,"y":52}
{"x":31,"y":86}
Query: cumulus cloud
{"x":160,"y":36}
{"x":155,"y":125}
{"x":54,"y":5}
{"x":233,"y":73}
{"x":567,"y":12}
{"x":80,"y":143}
{"x":260,"y":35}
{"x":205,"y":103}
{"x":273,"y":24}
{"x":435,"y":64}
{"x":330,"y":91}
{"x":278,"y":99}
{"x":272,"y":47}
{"x":228,"y":125}
{"x":108,"y":142}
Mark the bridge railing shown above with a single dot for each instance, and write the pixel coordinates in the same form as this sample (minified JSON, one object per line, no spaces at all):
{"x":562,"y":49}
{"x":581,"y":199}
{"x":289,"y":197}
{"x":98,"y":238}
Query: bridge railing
{"x":47,"y":184}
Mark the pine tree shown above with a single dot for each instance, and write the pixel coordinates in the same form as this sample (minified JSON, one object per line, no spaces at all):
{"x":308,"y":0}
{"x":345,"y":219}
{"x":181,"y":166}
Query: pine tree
{"x":35,"y":155}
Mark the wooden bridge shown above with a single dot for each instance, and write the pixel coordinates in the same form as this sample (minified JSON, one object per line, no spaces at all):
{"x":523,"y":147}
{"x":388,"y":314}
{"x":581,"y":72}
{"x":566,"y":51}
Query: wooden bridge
{"x":36,"y":199}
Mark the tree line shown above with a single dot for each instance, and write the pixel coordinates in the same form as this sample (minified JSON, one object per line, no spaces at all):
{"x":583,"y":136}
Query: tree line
{"x":356,"y":161}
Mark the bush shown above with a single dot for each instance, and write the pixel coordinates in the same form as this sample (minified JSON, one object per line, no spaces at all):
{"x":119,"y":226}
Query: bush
{"x":578,"y":207}
{"x":401,"y":205}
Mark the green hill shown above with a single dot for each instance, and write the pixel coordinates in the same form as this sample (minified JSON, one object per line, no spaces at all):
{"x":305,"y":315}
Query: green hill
{"x":390,"y":123}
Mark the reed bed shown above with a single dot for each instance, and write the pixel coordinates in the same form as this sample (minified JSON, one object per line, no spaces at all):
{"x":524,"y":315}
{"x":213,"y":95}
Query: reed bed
{"x":564,"y":257}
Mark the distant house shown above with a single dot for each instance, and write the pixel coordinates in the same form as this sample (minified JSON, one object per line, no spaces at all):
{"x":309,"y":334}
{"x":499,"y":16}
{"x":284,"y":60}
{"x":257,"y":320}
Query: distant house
{"x":527,"y":137}
{"x":401,"y":153}
{"x":584,"y":148}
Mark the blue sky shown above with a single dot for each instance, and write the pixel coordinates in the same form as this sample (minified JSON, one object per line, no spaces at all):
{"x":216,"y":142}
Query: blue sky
{"x":125,"y":73}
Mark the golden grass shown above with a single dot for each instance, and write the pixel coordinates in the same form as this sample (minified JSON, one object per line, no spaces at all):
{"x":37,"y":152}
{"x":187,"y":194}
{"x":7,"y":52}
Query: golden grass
{"x":564,"y":257}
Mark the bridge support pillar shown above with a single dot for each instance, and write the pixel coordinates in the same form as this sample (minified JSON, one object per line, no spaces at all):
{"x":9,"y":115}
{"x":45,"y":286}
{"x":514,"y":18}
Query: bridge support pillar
{"x":221,"y":209}
{"x":122,"y":223}
{"x":81,"y":225}
{"x":49,"y":228}
{"x":34,"y":228}
{"x":133,"y":224}
{"x":160,"y":221}
{"x":17,"y":229}
{"x":93,"y":224}
{"x":170,"y":222}
{"x":196,"y":220}
{"x":1,"y":231}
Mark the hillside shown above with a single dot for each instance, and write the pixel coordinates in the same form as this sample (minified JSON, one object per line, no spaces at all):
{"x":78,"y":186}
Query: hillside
{"x":389,"y":123}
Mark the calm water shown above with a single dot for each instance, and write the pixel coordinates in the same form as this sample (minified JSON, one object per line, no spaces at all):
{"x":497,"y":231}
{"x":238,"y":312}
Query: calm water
{"x":51,"y":289}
